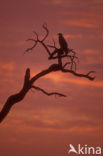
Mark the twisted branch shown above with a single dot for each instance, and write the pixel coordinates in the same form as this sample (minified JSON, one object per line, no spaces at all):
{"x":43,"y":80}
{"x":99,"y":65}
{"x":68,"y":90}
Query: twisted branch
{"x":80,"y":75}
{"x":37,"y":40}
{"x":29,"y":82}
{"x":48,"y":94}
{"x":47,"y":32}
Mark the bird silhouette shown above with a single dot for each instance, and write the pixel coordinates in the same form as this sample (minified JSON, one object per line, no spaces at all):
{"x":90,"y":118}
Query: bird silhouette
{"x":63,"y":43}
{"x":72,"y":149}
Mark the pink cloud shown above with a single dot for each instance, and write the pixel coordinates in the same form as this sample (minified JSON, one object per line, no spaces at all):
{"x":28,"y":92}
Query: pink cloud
{"x":101,"y":36}
{"x":85,"y":23}
{"x":10,"y":66}
{"x":91,"y":51}
{"x":61,"y":78}
{"x":73,"y":36}
{"x":47,"y":123}
{"x":94,"y":60}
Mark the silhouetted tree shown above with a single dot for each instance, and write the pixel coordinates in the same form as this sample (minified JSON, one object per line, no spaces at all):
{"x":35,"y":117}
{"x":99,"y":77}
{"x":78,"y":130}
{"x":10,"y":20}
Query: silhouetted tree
{"x":57,"y":54}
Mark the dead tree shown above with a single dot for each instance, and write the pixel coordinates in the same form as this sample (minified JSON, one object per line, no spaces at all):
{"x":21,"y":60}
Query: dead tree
{"x":29,"y":82}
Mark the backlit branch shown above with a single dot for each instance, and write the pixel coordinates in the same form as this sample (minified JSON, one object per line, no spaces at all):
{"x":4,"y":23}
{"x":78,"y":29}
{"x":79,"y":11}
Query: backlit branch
{"x":79,"y":74}
{"x":47,"y":32}
{"x":58,"y":54}
{"x":37,"y":40}
{"x":48,"y":94}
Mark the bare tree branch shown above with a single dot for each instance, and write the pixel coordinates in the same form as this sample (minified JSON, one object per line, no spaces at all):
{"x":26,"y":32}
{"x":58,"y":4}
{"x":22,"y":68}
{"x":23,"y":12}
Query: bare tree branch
{"x":57,"y":53}
{"x":80,"y":75}
{"x":48,"y":94}
{"x":29,"y":49}
{"x":16,"y":97}
{"x":28,"y":83}
{"x":37,"y":40}
{"x":47,"y":32}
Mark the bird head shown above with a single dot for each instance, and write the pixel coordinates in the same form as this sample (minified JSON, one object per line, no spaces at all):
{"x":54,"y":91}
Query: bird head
{"x":60,"y":34}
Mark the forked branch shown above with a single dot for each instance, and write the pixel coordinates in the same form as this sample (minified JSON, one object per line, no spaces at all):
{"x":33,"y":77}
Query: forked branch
{"x":47,"y":32}
{"x":48,"y":94}
{"x":36,"y":40}
{"x":88,"y":76}
{"x":57,"y":53}
{"x":28,"y":84}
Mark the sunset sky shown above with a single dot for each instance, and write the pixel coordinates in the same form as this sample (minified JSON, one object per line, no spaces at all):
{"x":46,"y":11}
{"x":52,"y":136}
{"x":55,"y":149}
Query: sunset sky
{"x":41,"y":125}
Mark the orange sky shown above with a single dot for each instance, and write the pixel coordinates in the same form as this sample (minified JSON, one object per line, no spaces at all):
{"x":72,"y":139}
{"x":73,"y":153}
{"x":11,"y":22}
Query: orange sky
{"x":41,"y":125}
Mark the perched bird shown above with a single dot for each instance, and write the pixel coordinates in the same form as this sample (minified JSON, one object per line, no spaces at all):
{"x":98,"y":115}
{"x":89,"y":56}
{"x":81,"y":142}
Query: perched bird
{"x":63,"y":43}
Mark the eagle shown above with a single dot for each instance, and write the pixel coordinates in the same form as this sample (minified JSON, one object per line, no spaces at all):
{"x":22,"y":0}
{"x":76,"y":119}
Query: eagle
{"x":63,"y":43}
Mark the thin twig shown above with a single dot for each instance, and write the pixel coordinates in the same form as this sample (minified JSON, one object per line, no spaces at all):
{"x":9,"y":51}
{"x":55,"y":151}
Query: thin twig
{"x":48,"y":94}
{"x":78,"y":74}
